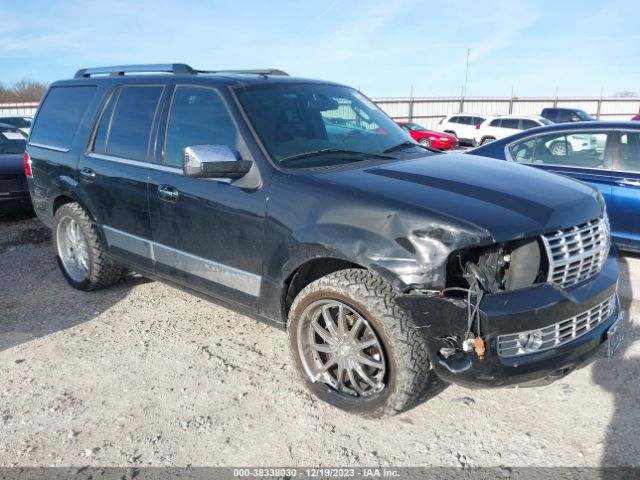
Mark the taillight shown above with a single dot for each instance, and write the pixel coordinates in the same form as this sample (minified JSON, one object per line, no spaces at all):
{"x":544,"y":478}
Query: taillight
{"x":478,"y":127}
{"x":27,"y":165}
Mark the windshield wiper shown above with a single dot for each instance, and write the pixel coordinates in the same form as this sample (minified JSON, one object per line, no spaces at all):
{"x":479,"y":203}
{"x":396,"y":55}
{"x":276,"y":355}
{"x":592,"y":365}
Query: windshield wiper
{"x":324,"y":151}
{"x":403,"y":145}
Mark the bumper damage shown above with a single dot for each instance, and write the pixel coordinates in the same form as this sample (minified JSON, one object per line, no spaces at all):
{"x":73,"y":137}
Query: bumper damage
{"x":444,"y":322}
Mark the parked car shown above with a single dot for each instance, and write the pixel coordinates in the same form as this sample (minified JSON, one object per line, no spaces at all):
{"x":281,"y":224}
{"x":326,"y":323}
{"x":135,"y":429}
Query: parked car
{"x":385,"y":261}
{"x":23,"y":123}
{"x":636,"y":117}
{"x":494,"y":128}
{"x":429,"y":138}
{"x":564,"y":115}
{"x":462,"y":126}
{"x":608,"y":159}
{"x":14,"y":192}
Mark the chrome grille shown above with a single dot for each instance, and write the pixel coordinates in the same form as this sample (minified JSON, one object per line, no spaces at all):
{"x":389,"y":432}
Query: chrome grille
{"x":578,"y":253}
{"x":513,"y":344}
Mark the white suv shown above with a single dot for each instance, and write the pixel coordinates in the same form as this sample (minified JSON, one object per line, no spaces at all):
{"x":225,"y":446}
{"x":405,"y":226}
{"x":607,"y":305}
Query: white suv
{"x":495,"y":128}
{"x":462,"y":125}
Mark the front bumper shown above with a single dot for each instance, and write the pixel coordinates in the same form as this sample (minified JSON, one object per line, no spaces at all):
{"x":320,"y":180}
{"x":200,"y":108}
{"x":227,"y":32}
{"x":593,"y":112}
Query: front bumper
{"x":443,"y":321}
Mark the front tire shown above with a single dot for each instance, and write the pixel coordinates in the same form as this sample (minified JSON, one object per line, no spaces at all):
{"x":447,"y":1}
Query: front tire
{"x":486,"y":140}
{"x":354,"y":347}
{"x":79,"y":253}
{"x":425,"y":142}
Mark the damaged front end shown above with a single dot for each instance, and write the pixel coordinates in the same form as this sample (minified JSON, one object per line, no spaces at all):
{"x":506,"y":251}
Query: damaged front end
{"x":504,"y":318}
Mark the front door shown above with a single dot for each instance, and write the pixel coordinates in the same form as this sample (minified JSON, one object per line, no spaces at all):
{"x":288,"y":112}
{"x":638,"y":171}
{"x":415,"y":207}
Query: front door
{"x":207,"y":233}
{"x":624,"y":211}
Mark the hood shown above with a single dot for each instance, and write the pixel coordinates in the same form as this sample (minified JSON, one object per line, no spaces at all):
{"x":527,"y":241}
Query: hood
{"x":508,"y":200}
{"x":11,"y":164}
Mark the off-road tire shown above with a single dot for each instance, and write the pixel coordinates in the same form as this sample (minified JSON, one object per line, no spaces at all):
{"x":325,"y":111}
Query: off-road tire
{"x":103,"y":271}
{"x":405,"y":350}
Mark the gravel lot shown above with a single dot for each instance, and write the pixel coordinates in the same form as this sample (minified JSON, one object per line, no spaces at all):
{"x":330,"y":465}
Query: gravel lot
{"x":143,"y":374}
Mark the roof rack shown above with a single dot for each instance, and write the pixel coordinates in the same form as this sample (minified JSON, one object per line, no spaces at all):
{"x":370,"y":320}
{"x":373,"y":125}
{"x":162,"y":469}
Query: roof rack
{"x":267,"y":71}
{"x":173,"y":68}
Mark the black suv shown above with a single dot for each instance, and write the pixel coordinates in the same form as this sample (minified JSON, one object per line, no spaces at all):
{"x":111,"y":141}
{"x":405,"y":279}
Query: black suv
{"x":299,"y":202}
{"x":566,"y":115}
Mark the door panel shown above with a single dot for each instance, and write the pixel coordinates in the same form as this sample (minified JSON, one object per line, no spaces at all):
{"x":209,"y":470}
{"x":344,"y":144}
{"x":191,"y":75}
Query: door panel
{"x":624,"y":212}
{"x":207,"y":234}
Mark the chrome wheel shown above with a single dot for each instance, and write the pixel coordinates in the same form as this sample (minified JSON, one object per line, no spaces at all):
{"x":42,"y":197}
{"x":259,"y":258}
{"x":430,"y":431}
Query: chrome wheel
{"x":72,"y":249}
{"x":339,"y":348}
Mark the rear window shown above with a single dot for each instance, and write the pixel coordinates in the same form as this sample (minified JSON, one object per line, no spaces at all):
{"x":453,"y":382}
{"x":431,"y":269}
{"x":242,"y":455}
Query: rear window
{"x":125,"y":125}
{"x":495,"y":123}
{"x":60,"y":116}
{"x":477,"y":120}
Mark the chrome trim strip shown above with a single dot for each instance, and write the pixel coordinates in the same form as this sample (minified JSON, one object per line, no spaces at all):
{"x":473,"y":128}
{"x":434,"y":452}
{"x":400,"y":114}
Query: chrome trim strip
{"x":126,"y":241}
{"x":225,"y":275}
{"x":231,"y":277}
{"x":135,"y":163}
{"x":48,"y":147}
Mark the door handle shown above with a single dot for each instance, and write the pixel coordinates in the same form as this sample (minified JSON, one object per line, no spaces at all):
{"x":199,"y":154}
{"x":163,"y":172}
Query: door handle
{"x":87,"y":173}
{"x":628,"y":183}
{"x":167,"y":192}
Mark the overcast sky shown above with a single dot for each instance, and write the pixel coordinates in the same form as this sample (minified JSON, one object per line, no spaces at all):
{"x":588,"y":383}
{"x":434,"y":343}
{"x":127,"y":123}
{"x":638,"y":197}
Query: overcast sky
{"x":383,"y":47}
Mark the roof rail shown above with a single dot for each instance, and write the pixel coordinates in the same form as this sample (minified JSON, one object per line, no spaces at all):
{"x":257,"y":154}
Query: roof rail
{"x":267,"y":71}
{"x":175,"y":68}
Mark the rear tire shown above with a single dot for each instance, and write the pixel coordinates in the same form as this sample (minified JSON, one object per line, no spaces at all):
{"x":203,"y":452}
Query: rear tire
{"x":79,"y":253}
{"x":396,"y":361}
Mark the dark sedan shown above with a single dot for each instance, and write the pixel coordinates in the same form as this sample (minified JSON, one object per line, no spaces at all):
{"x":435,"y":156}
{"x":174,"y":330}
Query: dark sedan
{"x":14,"y":192}
{"x":604,"y":154}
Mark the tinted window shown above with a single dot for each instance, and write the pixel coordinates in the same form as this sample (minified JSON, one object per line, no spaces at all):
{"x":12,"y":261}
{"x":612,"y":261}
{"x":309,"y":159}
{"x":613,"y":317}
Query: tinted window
{"x":630,"y":151}
{"x":495,"y":123}
{"x":131,"y":123}
{"x":465,"y":120}
{"x":18,"y":122}
{"x":198,"y":117}
{"x":100,"y":140}
{"x":454,"y":119}
{"x":510,"y":123}
{"x":61,"y":114}
{"x":563,"y":116}
{"x":580,"y":149}
{"x":527,"y":124}
{"x":12,"y":141}
{"x":477,"y":120}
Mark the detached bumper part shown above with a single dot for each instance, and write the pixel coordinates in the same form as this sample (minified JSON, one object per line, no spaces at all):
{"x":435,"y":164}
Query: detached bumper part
{"x":532,"y":336}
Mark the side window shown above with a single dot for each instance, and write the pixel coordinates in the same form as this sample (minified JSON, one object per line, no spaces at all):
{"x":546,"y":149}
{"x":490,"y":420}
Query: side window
{"x":454,"y":120}
{"x":198,"y":117}
{"x":60,"y":115}
{"x":465,"y":120}
{"x":477,"y":120}
{"x":580,"y":149}
{"x":563,"y":116}
{"x":104,"y":124}
{"x":495,"y":123}
{"x":630,"y":151}
{"x":510,"y":123}
{"x":522,"y":152}
{"x":526,"y":124}
{"x":131,"y":122}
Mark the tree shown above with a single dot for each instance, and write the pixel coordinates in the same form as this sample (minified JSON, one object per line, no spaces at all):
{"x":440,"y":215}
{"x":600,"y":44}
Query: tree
{"x":22,"y":91}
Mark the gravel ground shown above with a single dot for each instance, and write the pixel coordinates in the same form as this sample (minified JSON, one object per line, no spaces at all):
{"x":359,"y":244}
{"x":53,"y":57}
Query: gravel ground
{"x":143,"y":374}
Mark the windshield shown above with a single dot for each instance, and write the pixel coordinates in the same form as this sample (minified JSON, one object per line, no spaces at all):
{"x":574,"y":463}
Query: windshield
{"x":584,"y":115}
{"x":416,"y":127}
{"x":315,"y":125}
{"x":12,"y":141}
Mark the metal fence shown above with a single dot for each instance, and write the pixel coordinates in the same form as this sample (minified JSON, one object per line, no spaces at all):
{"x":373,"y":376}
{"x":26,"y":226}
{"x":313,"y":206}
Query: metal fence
{"x":428,"y":111}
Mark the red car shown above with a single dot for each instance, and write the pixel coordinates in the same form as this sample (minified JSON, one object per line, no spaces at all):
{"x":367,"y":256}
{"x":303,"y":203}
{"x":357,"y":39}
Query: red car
{"x":636,"y":117}
{"x":429,"y":138}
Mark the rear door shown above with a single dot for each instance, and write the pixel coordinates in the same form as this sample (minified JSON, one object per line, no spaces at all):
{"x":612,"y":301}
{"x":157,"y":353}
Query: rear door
{"x":207,"y":233}
{"x":553,"y":152}
{"x":114,"y":171}
{"x":624,"y":211}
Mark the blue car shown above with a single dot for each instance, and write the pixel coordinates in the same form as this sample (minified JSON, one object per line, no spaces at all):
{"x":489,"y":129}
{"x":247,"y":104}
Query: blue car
{"x":605,"y":155}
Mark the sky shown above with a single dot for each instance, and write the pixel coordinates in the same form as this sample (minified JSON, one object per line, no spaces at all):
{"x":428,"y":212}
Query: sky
{"x":385,"y":48}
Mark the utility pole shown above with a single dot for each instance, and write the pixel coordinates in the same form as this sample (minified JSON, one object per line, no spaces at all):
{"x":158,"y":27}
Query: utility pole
{"x":466,"y":72}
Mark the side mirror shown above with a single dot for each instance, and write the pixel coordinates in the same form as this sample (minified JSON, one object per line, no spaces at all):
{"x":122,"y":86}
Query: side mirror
{"x":213,"y":161}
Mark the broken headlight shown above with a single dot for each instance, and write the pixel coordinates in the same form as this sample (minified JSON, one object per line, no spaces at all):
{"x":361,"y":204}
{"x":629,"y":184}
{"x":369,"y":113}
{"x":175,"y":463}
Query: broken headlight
{"x":500,"y":267}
